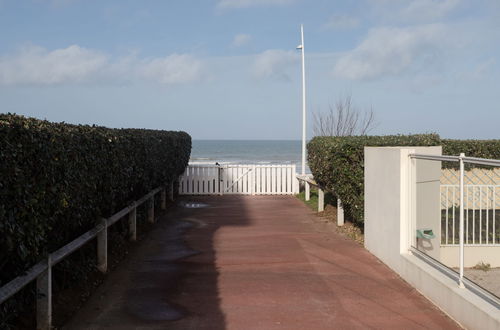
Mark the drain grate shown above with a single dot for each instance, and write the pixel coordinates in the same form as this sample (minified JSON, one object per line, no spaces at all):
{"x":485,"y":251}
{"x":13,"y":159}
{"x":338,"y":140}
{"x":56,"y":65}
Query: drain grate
{"x":192,"y":205}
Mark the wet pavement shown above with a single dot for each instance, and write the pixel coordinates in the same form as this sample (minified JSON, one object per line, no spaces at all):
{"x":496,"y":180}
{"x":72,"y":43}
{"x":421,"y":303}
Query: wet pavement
{"x":253,"y":262}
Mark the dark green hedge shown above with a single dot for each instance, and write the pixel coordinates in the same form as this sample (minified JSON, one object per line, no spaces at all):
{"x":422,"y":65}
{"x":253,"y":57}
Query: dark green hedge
{"x":337,"y":164}
{"x":57,"y":179}
{"x":472,"y":148}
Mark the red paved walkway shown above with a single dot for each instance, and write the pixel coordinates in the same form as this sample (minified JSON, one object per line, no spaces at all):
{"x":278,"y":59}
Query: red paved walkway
{"x":265,"y":263}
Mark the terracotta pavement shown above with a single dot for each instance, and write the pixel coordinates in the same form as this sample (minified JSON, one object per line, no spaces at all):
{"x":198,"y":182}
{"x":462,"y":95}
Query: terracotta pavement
{"x":253,"y":262}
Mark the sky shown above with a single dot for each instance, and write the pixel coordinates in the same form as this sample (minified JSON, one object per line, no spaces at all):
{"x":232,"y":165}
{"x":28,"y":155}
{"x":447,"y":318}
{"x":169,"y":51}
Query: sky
{"x":229,"y":69}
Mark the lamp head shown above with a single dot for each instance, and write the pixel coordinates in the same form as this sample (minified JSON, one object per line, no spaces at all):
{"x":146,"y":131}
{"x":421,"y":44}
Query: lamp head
{"x":299,"y":47}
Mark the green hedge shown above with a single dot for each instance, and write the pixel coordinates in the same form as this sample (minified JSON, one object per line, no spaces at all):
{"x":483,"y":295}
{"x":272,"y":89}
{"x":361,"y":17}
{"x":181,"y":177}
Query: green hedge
{"x":472,"y":148}
{"x":58,"y":179}
{"x":337,"y":164}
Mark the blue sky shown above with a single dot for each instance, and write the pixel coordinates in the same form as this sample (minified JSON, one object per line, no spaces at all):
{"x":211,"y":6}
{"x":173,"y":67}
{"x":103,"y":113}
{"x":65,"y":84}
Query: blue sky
{"x":228,"y":69}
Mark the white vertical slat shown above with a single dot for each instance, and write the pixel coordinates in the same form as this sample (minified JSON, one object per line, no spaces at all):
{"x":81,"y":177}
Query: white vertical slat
{"x":268,"y":180}
{"x":201,"y":180}
{"x":480,"y":215}
{"x":273,"y":180}
{"x":188,"y":180}
{"x":232,"y":172}
{"x":193,"y":185}
{"x":235,"y":177}
{"x":289,"y":180}
{"x":216,"y":181}
{"x":283,"y":179}
{"x":278,"y":179}
{"x":246,"y":188}
{"x":258,"y":176}
{"x":252,"y":181}
{"x":196,"y":180}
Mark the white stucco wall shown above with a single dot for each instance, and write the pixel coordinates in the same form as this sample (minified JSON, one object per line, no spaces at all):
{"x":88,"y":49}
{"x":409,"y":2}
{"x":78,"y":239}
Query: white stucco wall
{"x":390,"y":196}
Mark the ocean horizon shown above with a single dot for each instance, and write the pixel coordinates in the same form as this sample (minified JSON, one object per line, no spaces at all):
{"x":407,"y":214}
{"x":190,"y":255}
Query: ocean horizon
{"x":228,"y":152}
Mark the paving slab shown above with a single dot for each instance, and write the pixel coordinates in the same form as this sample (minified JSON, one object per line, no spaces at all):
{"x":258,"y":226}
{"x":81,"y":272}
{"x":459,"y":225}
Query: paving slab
{"x":254,"y":262}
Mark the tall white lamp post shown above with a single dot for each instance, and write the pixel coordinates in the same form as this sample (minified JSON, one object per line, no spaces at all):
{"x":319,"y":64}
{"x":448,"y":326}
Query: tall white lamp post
{"x":301,"y":47}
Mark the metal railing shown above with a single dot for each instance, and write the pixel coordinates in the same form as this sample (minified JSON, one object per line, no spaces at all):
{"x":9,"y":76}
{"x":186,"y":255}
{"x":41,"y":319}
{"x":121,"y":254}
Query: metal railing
{"x":42,"y":271}
{"x":462,"y":160}
{"x":481,"y":204}
{"x":308,"y":182}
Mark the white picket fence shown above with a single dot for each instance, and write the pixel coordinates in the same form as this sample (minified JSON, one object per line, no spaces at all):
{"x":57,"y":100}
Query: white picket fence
{"x":239,"y":179}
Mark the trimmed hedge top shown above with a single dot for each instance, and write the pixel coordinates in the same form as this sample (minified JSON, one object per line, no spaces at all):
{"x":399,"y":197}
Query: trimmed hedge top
{"x":57,"y":180}
{"x":472,"y":148}
{"x":337,"y":164}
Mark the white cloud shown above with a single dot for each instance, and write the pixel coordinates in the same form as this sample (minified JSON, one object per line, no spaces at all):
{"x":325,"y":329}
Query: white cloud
{"x":405,"y":11}
{"x":484,"y":68}
{"x":230,"y":4}
{"x":339,"y":22}
{"x":35,"y":65}
{"x":173,"y":69}
{"x":391,"y":51}
{"x":274,"y":63}
{"x":241,"y":40}
{"x":429,"y":9}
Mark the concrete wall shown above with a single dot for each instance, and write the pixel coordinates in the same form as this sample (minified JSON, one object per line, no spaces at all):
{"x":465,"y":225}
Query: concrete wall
{"x":390,"y":214}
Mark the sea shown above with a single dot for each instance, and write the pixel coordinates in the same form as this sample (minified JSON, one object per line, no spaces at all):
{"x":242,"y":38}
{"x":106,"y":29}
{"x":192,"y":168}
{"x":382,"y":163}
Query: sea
{"x":259,"y":152}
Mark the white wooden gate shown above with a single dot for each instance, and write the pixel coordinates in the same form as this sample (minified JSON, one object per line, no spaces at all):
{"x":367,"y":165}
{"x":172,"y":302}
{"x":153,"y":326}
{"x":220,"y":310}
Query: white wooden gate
{"x":238,"y":179}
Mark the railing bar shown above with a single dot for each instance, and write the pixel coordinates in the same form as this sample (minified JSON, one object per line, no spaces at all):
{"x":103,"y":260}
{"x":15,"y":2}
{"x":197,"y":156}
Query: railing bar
{"x":482,"y":161}
{"x":120,"y":214}
{"x":467,"y":217}
{"x":148,"y":196}
{"x":480,"y":216}
{"x":453,"y":216}
{"x":12,"y":287}
{"x":487,"y":214}
{"x":494,"y":217}
{"x":71,"y":247}
{"x":474,"y":160}
{"x":473,"y":215}
{"x":434,"y":157}
{"x":447,"y":213}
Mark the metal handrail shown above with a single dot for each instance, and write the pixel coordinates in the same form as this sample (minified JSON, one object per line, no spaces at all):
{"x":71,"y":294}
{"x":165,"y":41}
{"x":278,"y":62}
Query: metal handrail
{"x":471,"y":160}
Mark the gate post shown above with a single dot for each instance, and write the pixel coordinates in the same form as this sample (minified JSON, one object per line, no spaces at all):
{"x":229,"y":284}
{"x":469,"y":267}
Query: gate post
{"x":321,"y":200}
{"x":340,"y":213}
{"x":308,"y":190}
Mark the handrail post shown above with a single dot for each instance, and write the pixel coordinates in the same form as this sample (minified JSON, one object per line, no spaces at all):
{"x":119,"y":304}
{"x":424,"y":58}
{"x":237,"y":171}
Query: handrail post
{"x":308,"y":190}
{"x":151,"y":209}
{"x":461,"y":229}
{"x":44,"y":298}
{"x":340,"y":213}
{"x":132,"y":223}
{"x":102,"y":247}
{"x":321,"y":200}
{"x":163,"y":199}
